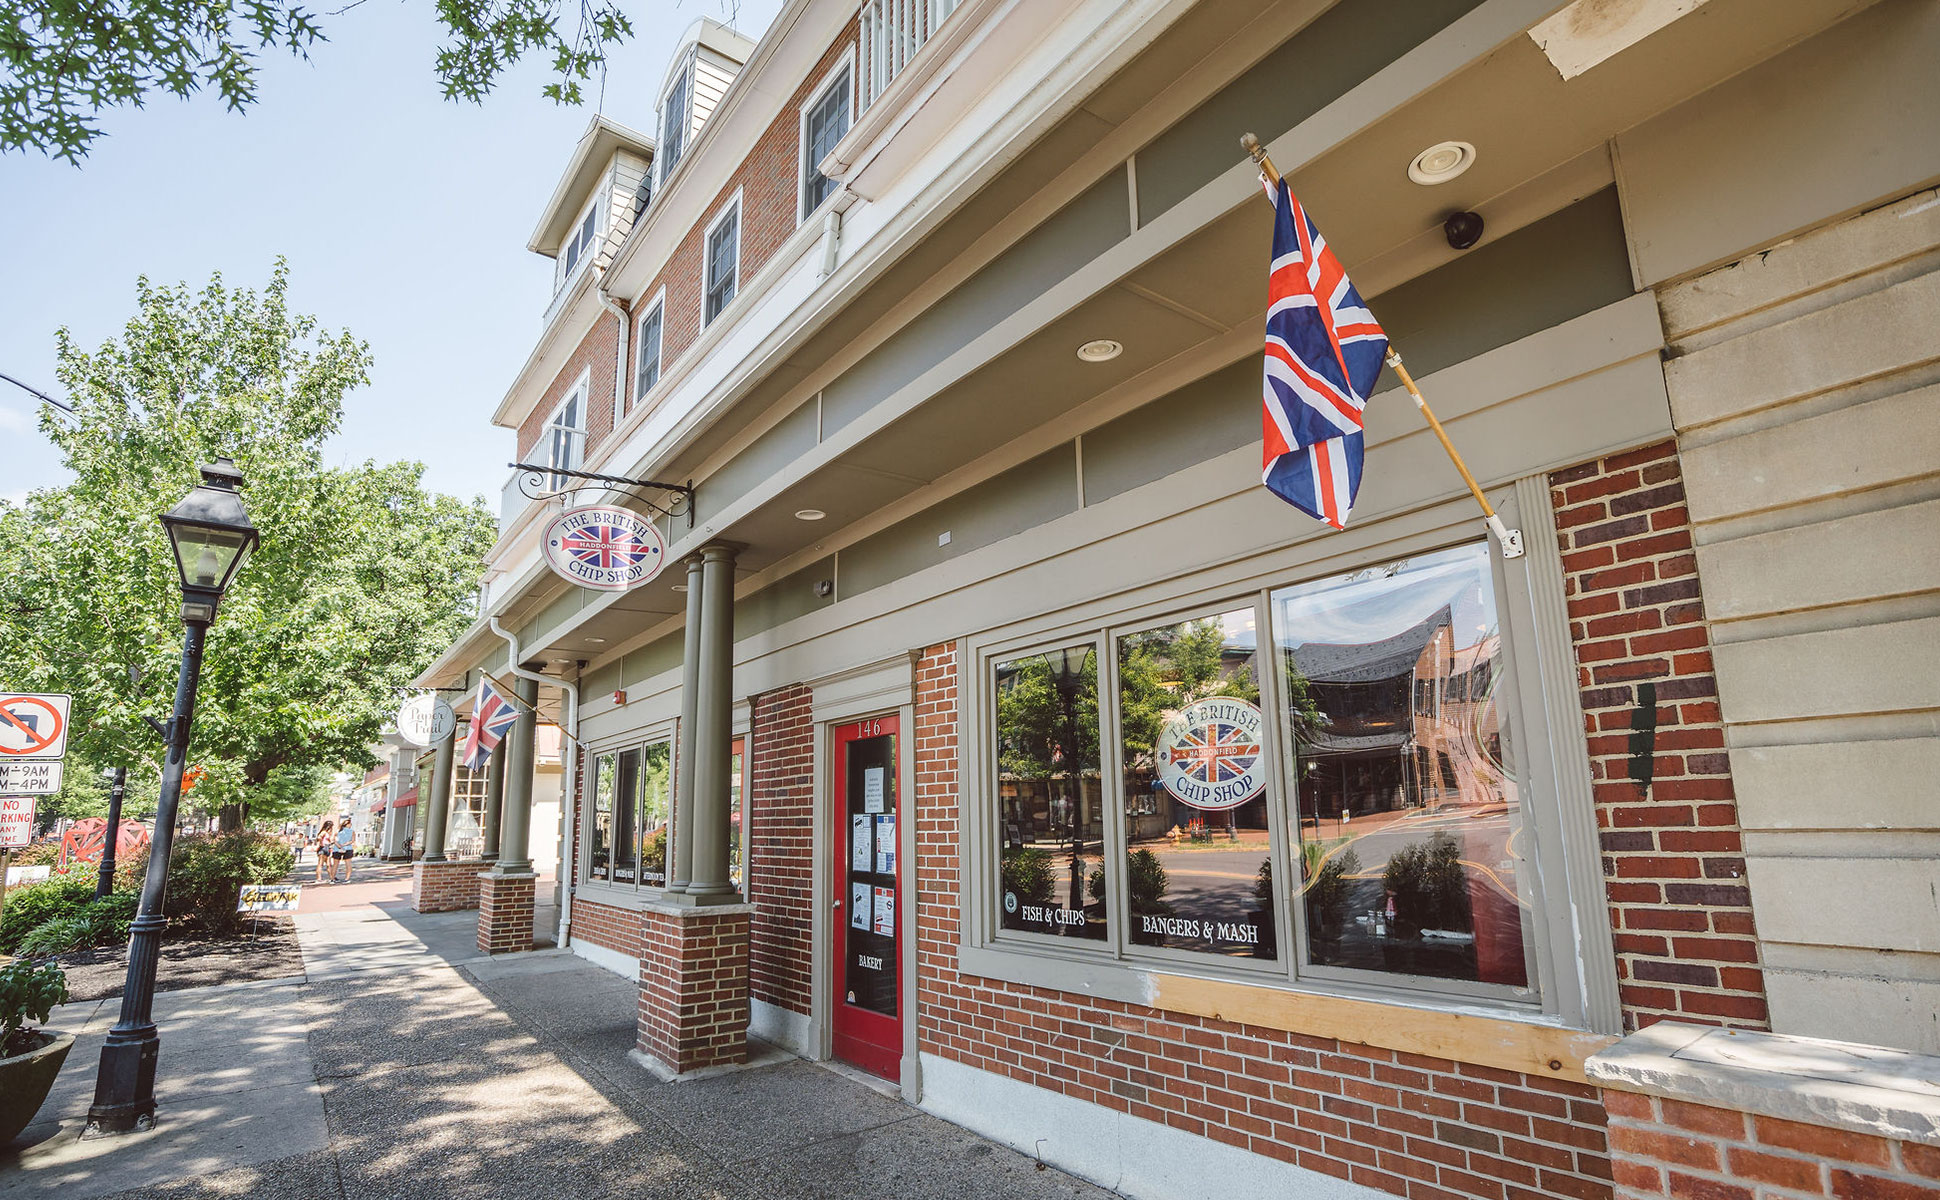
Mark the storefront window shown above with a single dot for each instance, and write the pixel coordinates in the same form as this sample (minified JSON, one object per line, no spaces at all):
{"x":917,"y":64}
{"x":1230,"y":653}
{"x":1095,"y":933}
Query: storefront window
{"x":1401,"y":759}
{"x":737,"y":813}
{"x":656,"y":792}
{"x":626,"y":816}
{"x":1051,"y":805}
{"x":1198,"y":866}
{"x":599,"y":841}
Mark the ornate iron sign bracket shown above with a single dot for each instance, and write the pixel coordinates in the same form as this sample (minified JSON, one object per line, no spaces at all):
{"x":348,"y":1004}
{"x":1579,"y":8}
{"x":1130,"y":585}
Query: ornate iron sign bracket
{"x":536,"y":482}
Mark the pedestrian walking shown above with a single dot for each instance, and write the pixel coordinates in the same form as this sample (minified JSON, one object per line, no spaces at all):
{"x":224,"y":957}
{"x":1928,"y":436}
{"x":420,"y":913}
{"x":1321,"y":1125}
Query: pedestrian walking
{"x":325,"y":842}
{"x":346,"y":842}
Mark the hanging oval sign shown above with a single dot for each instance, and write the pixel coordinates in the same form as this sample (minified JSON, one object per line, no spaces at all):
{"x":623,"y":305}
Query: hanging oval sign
{"x":1210,"y":753}
{"x":425,"y":720}
{"x":610,"y":549}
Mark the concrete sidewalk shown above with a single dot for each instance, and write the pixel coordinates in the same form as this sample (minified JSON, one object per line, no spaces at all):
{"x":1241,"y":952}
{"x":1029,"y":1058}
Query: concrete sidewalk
{"x":403,"y":1064}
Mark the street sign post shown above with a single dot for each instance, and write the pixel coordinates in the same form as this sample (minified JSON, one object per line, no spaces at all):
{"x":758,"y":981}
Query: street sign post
{"x":16,"y":821}
{"x":33,"y":726}
{"x":31,"y":777}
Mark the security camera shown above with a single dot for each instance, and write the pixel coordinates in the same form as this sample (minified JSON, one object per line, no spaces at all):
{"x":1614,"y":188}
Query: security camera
{"x":1464,"y":229}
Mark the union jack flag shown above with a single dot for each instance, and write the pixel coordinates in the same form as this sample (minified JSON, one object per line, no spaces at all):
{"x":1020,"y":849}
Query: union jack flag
{"x":607,"y":547}
{"x":492,"y":717}
{"x":1216,"y":753}
{"x":1323,"y":354}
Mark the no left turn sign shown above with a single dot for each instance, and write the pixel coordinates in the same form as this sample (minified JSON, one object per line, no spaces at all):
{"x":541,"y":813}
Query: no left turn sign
{"x":33,"y":726}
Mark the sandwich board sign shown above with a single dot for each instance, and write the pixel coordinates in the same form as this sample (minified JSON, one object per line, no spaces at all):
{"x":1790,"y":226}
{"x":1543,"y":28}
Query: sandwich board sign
{"x":33,"y":727}
{"x":269,"y":897}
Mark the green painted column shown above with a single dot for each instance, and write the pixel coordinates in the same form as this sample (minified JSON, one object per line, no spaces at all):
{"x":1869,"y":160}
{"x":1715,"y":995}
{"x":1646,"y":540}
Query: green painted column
{"x":690,"y":680}
{"x":714,"y":732}
{"x":437,"y":816}
{"x":515,"y":840}
{"x":494,"y":801}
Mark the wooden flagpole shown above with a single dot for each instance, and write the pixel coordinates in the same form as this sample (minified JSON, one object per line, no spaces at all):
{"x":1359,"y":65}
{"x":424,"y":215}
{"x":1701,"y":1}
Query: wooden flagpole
{"x":1509,"y":539}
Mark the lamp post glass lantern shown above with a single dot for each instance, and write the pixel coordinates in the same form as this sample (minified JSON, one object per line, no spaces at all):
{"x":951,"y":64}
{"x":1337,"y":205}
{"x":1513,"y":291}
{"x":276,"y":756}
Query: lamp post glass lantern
{"x":211,"y":535}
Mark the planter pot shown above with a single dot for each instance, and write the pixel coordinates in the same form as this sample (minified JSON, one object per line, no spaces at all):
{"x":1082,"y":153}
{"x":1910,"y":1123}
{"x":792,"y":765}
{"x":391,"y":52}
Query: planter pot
{"x":25,"y":1080}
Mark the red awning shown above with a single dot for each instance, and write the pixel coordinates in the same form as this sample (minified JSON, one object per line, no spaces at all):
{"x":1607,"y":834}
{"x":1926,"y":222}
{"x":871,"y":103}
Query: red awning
{"x":377,"y":808}
{"x":406,"y":800}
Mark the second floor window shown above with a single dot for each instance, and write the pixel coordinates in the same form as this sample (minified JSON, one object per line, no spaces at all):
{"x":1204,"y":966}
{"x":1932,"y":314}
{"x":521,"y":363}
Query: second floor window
{"x":673,"y":121}
{"x":565,"y":435}
{"x":580,"y":244}
{"x":823,"y":124}
{"x":648,"y":357}
{"x":723,"y":260}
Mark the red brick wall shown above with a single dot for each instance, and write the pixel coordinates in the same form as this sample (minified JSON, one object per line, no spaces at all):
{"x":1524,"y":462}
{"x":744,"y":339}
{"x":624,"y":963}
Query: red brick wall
{"x":770,"y":184}
{"x":505,"y":915}
{"x":604,"y":925}
{"x":1425,"y":1128}
{"x":1663,"y":1148}
{"x":781,"y":815}
{"x":694,"y":987}
{"x":1673,"y":858}
{"x":595,"y":350}
{"x":444,"y":886}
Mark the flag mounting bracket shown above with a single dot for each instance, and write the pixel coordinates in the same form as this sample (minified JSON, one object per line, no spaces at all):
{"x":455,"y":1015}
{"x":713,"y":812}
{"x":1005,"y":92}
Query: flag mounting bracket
{"x":538,"y":482}
{"x":1509,"y":539}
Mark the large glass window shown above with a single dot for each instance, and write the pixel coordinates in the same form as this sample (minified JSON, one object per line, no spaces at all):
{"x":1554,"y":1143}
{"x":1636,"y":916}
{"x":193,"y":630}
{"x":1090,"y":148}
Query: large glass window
{"x":648,"y":353}
{"x":1198,"y":866}
{"x":1346,"y":806}
{"x":599,"y":832}
{"x":1051,"y":801}
{"x":626,"y":834}
{"x":738,"y":828}
{"x":1409,"y":810}
{"x":673,"y":121}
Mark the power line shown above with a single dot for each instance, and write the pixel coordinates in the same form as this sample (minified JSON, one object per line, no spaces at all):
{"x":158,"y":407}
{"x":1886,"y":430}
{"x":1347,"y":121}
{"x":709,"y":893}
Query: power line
{"x":37,"y":392}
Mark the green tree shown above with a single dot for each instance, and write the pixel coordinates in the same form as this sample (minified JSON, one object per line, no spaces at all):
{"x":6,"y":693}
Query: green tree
{"x":1164,"y":670}
{"x":361,"y":578}
{"x":61,"y":63}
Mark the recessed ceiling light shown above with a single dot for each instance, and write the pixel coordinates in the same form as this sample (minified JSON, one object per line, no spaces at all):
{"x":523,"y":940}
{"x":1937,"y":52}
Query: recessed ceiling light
{"x":1441,"y":162}
{"x":593,"y":641}
{"x":809,"y":514}
{"x":680,"y":587}
{"x":1102,"y":350}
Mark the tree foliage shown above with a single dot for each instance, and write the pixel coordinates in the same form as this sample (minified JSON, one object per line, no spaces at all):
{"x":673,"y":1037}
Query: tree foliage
{"x":62,"y":63}
{"x":361,"y":577}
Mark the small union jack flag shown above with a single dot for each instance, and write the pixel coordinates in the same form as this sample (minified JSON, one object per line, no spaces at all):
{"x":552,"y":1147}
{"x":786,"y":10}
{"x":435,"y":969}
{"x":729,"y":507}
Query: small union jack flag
{"x":492,"y":717}
{"x":607,"y":547}
{"x":1216,"y":753}
{"x":1323,"y":354}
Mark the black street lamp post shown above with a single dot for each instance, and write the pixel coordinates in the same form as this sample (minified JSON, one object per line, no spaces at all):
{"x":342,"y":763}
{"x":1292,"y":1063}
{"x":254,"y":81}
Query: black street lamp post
{"x":211,"y":535}
{"x":106,"y":883}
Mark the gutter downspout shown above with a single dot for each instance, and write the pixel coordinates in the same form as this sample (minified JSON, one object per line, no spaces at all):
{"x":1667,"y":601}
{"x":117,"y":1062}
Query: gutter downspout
{"x":619,"y":352}
{"x":571,"y":778}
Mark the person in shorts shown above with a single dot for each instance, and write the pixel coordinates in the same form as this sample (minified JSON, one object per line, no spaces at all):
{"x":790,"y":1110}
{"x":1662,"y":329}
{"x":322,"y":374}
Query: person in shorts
{"x":325,"y":840}
{"x":345,"y":847}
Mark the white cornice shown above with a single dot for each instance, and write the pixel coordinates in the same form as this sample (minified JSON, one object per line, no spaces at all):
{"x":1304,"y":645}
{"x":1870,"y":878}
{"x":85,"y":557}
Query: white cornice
{"x":602,"y":139}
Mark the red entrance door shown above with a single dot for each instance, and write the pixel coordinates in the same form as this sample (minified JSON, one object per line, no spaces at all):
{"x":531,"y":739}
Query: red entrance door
{"x":868,"y":906}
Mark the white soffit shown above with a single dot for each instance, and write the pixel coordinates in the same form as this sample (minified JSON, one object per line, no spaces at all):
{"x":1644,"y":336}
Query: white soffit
{"x":1588,"y":32}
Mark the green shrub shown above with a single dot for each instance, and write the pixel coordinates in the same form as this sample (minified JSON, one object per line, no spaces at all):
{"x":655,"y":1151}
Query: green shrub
{"x":1430,"y":886}
{"x":205,"y":873}
{"x":1029,"y":874}
{"x":58,"y":936}
{"x":28,"y":992}
{"x":110,"y":917}
{"x":40,"y":854}
{"x":34,"y":904}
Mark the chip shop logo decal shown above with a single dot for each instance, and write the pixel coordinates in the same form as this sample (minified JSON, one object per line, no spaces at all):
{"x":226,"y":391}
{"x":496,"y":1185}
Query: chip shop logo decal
{"x":611,"y":549}
{"x":1210,"y":755}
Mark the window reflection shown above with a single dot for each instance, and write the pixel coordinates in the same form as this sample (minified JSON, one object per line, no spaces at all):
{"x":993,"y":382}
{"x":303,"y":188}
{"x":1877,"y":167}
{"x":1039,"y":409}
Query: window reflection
{"x":1409,"y":812}
{"x":600,"y":843}
{"x":626,"y":815}
{"x":1198,"y":864}
{"x":1053,"y":867}
{"x":656,"y":784}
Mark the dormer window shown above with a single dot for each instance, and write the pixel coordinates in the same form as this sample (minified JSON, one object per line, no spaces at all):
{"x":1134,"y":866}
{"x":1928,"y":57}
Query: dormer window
{"x":581,"y":244}
{"x":674,"y":117}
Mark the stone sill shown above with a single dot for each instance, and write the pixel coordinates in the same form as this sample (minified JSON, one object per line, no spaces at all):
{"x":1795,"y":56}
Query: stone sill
{"x":690,"y":911}
{"x":1841,"y":1085}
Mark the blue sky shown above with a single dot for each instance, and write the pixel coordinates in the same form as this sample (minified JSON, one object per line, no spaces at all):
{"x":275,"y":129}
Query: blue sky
{"x":404,"y":217}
